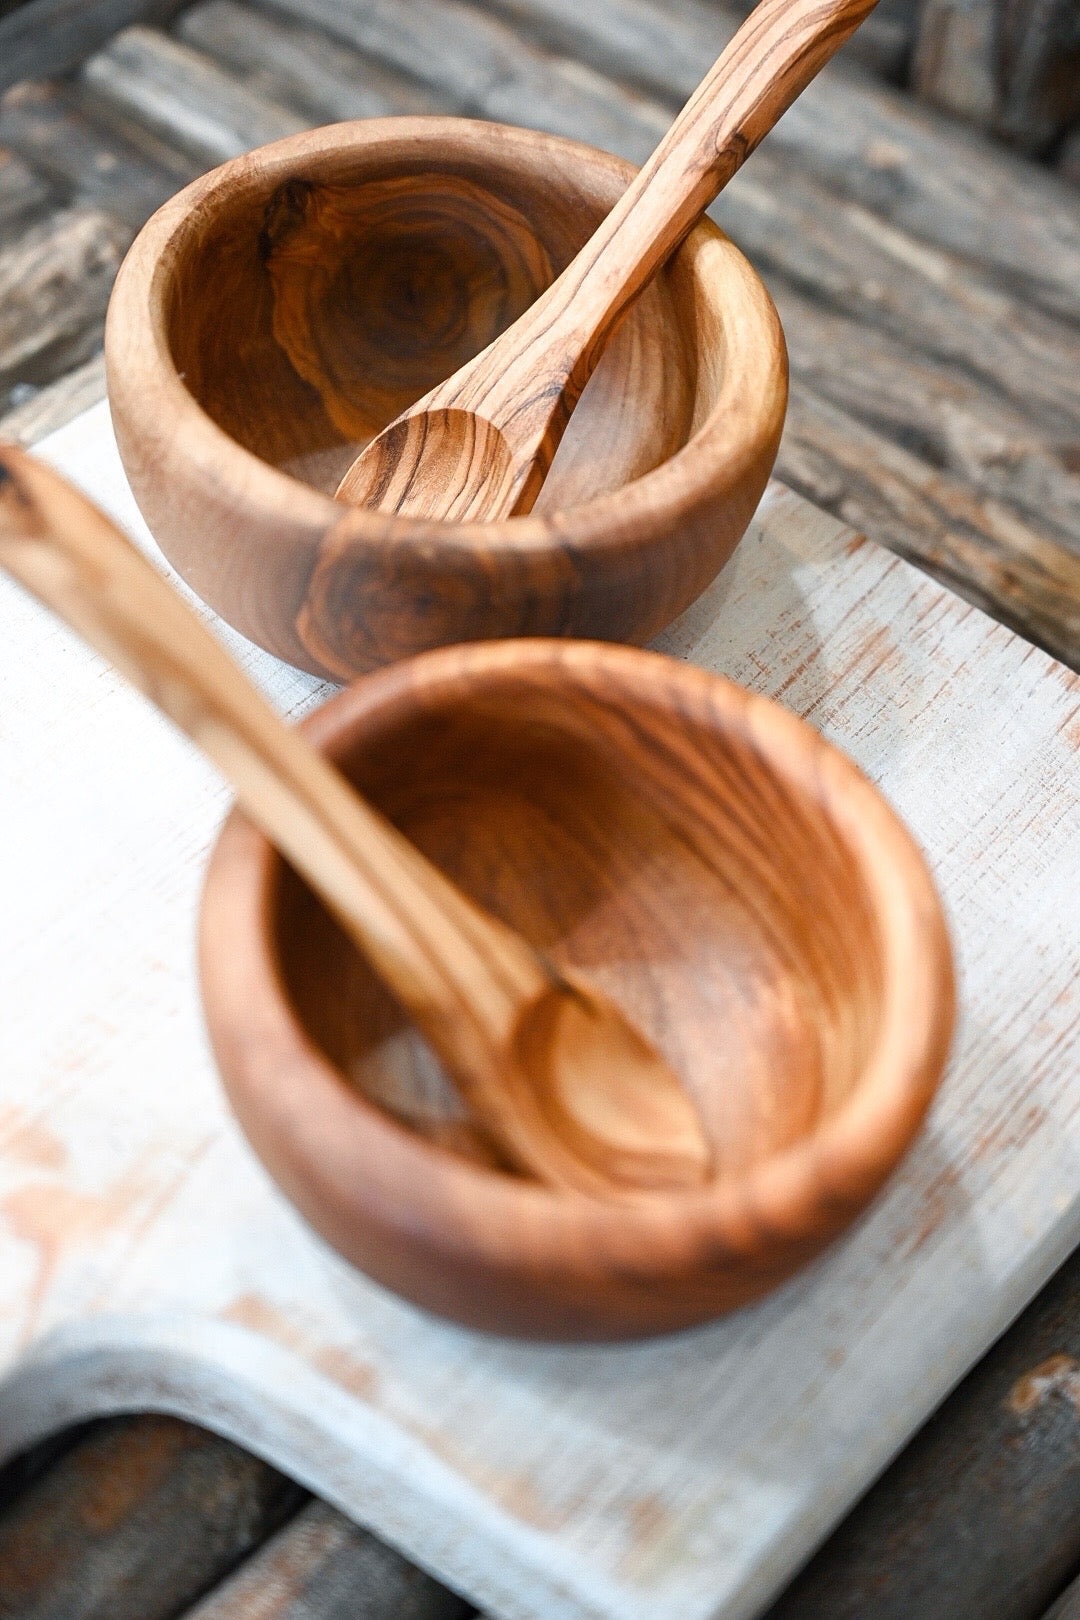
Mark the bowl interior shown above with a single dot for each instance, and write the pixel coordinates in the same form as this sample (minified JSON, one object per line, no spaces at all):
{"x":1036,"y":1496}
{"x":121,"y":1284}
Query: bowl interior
{"x":730,"y":922}
{"x":306,"y":310}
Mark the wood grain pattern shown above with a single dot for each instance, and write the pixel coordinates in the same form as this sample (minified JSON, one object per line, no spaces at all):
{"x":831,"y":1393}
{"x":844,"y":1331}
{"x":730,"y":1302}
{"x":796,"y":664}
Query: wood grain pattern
{"x":55,"y":282}
{"x":168,"y":87}
{"x":22,"y":193}
{"x":478,"y":446}
{"x":937,"y":182}
{"x":147,"y":1259}
{"x":302,"y":67}
{"x":321,"y":1567}
{"x":828,"y":965}
{"x":915,"y":318}
{"x":45,"y":37}
{"x":637,"y":41}
{"x":56,"y":404}
{"x":978,"y":1515}
{"x":608,"y":806}
{"x":134,"y":1522}
{"x":986,"y":551}
{"x":934,"y":330}
{"x":654,"y":483}
{"x":1011,"y":66}
{"x":551,"y":1070}
{"x":87,"y":161}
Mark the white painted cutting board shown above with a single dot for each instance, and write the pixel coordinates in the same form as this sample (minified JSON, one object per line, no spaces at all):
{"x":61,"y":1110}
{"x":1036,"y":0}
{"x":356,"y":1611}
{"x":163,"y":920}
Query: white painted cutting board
{"x":147,"y":1262}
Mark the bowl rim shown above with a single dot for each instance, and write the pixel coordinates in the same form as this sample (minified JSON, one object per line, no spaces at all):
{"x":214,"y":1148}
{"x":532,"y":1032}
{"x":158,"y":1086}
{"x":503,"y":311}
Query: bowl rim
{"x":143,"y":379}
{"x":369,"y":1164}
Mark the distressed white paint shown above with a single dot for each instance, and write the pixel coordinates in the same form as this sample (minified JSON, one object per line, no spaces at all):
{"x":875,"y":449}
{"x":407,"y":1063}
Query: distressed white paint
{"x":146,"y":1260}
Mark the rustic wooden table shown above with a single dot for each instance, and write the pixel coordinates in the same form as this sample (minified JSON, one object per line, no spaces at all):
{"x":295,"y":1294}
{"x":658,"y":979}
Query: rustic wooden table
{"x":930,"y":289}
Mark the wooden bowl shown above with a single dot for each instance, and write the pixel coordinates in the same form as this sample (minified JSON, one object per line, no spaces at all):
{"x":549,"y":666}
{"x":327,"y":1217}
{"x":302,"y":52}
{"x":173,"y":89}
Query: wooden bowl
{"x":277,"y":313}
{"x":725,"y":875}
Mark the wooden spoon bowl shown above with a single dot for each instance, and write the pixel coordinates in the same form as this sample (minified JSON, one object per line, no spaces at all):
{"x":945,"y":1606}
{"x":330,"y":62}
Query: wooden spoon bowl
{"x":280,"y":311}
{"x":727,"y":877}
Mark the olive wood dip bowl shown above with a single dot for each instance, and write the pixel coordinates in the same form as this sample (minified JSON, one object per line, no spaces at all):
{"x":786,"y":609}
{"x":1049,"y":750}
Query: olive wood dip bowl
{"x":704,"y":857}
{"x":276,"y":314}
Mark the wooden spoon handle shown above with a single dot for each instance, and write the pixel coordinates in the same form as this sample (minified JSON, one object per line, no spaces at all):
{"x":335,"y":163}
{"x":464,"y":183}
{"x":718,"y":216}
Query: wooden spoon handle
{"x":461,"y":973}
{"x":775,"y":54}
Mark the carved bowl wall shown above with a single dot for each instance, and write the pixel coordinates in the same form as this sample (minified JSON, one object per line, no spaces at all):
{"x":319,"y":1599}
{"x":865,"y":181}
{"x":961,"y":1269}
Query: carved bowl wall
{"x":277,"y":313}
{"x":706,"y":859}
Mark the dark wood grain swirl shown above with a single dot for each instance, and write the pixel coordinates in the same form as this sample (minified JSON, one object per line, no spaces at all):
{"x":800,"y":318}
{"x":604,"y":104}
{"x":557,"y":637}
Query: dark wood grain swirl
{"x":248,"y":362}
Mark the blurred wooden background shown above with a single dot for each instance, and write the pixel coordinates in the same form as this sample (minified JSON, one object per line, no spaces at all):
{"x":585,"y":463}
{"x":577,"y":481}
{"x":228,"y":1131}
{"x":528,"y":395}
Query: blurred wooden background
{"x":917,"y":219}
{"x":1010,"y":67}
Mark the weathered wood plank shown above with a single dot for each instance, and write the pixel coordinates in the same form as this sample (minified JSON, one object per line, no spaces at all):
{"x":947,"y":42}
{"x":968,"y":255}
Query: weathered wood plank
{"x":45,"y":37}
{"x":884,"y":41}
{"x":985,"y":552}
{"x":55,"y":281}
{"x":321,"y":1567}
{"x":86,"y":161}
{"x":135,"y":1523}
{"x":183,"y":97}
{"x":956,"y":62}
{"x":943,"y":183}
{"x":860,"y":265}
{"x":980,"y":1515}
{"x":300,"y":67}
{"x":674,"y":1479}
{"x":1013,"y":365}
{"x":484,"y":68}
{"x":784,"y":218}
{"x":58,"y":402}
{"x":1012,"y":66}
{"x":930,"y":408}
{"x":665,"y":49}
{"x":23,"y":194}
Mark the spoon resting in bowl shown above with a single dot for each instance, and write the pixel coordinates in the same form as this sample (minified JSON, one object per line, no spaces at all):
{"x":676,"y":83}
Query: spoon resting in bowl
{"x":478,"y":446}
{"x":556,"y":1076}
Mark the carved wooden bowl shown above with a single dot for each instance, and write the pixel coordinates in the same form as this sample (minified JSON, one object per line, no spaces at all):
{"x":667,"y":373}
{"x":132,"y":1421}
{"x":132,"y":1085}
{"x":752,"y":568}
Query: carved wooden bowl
{"x":725,"y":875}
{"x":277,"y":313}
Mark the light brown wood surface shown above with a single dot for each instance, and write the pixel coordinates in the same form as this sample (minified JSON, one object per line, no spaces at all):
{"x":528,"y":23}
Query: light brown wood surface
{"x":360,"y":264}
{"x":723,"y":874}
{"x":502,"y":1466}
{"x":558,"y":1081}
{"x":837,"y":210}
{"x":478,"y":446}
{"x":955,"y":428}
{"x":1010,"y":66}
{"x":696,"y":844}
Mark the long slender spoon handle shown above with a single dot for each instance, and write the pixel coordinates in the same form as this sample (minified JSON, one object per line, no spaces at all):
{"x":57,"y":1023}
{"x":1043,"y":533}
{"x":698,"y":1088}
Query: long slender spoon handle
{"x":529,"y":380}
{"x":775,"y":54}
{"x":444,"y":957}
{"x":465,"y":977}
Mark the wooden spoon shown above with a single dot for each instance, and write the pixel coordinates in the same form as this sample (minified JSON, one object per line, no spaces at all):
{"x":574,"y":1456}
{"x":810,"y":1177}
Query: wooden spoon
{"x":561,"y":1082}
{"x":479,"y":445}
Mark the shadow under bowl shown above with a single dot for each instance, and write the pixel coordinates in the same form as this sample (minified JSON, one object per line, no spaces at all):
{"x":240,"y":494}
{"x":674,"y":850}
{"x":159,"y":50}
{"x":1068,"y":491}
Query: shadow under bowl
{"x":728,"y":878}
{"x":276,"y":314}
